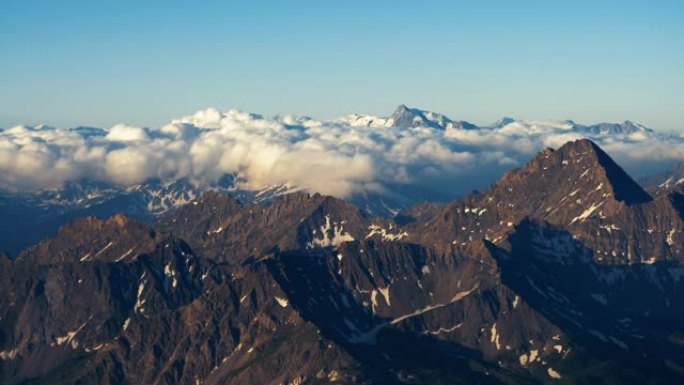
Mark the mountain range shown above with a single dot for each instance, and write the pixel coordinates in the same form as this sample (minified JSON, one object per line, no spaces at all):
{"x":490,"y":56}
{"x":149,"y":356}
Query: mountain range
{"x":406,"y":117}
{"x":564,"y":270}
{"x":409,"y":157}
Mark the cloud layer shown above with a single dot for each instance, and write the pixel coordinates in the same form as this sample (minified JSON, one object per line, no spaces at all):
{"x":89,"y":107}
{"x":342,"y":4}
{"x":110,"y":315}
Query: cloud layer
{"x":343,"y":157}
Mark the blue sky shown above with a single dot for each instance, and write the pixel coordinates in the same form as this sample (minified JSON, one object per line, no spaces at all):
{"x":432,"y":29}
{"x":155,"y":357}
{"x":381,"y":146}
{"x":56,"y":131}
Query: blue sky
{"x":144,"y":62}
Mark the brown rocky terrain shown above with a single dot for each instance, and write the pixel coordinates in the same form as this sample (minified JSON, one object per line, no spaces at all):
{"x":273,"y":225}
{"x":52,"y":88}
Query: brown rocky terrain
{"x":563,"y":271}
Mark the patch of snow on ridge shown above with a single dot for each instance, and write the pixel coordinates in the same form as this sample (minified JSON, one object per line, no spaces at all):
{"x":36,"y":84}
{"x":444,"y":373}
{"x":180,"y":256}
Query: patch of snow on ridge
{"x":670,"y":237}
{"x":443,"y":330}
{"x":124,"y":255}
{"x":105,"y":248}
{"x":533,"y":355}
{"x":339,"y":235}
{"x":140,"y":301}
{"x":69,"y":337}
{"x":8,"y":354}
{"x":649,"y":260}
{"x":374,"y":300}
{"x":457,"y":297}
{"x":553,"y":374}
{"x":369,"y":337}
{"x":495,"y":337}
{"x":385,"y":293}
{"x":587,"y":213}
{"x":283,"y":302}
{"x":384,"y":234}
{"x":217,"y":231}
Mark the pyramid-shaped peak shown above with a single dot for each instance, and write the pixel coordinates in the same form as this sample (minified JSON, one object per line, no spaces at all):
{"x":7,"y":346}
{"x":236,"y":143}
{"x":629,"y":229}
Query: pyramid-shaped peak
{"x":585,"y":149}
{"x":579,"y":145}
{"x":404,"y":110}
{"x":576,"y":183}
{"x":588,"y":156}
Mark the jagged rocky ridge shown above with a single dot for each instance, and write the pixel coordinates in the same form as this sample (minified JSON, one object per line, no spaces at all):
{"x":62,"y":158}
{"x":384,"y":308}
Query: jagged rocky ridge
{"x":565,"y":270}
{"x":39,"y":215}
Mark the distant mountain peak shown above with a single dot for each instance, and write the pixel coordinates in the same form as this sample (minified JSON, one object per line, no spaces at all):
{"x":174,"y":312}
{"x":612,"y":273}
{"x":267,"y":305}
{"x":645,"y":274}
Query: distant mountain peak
{"x":503,"y":122}
{"x":625,"y":128}
{"x":407,"y":117}
{"x":401,"y":108}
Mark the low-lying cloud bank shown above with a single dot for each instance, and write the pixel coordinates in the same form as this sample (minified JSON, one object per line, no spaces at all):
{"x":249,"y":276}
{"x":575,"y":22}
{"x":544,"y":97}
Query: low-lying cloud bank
{"x":413,"y":153}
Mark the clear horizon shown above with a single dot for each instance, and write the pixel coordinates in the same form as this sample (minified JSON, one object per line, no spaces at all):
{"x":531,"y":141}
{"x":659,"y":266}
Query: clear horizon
{"x":100,"y":63}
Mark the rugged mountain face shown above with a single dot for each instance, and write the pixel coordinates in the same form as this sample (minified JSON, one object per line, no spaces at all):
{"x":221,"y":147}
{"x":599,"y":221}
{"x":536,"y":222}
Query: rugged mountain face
{"x":163,"y":317}
{"x":564,"y":270}
{"x":629,"y":314}
{"x":108,"y":242}
{"x":578,"y":187}
{"x":40,"y":215}
{"x":36,"y":216}
{"x":224,"y":229}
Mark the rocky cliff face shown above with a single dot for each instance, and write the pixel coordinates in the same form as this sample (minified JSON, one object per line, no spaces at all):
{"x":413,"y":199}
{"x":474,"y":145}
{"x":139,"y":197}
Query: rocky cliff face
{"x":563,"y":271}
{"x":164,"y":317}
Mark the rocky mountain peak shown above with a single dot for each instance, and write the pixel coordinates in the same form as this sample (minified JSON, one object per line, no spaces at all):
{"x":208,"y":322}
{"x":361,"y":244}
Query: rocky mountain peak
{"x":623,"y":187}
{"x":115,"y":238}
{"x":239,"y":233}
{"x":405,"y":117}
{"x":580,"y":169}
{"x":572,"y":186}
{"x":503,"y":122}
